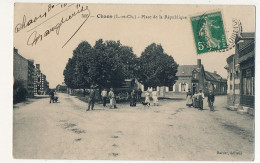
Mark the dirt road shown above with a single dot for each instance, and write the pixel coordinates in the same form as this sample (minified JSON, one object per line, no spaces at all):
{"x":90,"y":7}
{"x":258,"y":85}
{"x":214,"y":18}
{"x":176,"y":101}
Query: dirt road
{"x":170,"y":131}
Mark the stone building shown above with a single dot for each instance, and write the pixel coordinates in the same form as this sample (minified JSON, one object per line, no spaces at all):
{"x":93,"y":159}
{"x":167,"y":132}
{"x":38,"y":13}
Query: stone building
{"x":241,"y":72}
{"x":216,"y":83}
{"x":41,"y":85}
{"x":185,"y":77}
{"x":194,"y":77}
{"x":23,"y":70}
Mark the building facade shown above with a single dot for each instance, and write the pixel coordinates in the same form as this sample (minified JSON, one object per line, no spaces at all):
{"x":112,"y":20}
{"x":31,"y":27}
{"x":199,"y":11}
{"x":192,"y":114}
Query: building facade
{"x":215,"y":83}
{"x":23,"y":70}
{"x":241,"y":72}
{"x":41,"y":85}
{"x":185,"y":76}
{"x":195,"y":78}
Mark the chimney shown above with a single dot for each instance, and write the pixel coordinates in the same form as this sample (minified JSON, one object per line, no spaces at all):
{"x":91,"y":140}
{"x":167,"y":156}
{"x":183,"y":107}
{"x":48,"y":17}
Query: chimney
{"x":38,"y":66}
{"x":199,"y":62}
{"x":15,"y":50}
{"x":31,"y":60}
{"x":215,"y":72}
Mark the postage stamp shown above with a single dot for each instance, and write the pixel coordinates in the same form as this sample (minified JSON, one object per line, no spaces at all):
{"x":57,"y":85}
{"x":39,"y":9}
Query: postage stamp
{"x":209,"y":32}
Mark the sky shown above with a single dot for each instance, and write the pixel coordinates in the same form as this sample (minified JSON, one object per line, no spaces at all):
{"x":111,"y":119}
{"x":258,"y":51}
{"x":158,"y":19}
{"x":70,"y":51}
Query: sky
{"x":145,"y":27}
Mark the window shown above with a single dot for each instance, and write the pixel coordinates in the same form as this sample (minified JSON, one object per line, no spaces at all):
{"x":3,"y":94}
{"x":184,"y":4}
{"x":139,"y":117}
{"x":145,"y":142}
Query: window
{"x":194,"y":75}
{"x":248,"y":84}
{"x":39,"y":79}
{"x":183,"y":86}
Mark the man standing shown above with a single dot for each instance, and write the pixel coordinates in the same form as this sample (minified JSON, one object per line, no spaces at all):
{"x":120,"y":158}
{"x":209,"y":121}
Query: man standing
{"x":112,"y":98}
{"x":104,"y":97}
{"x":201,"y":97}
{"x":91,"y":101}
{"x":211,"y":99}
{"x":51,"y":94}
{"x":133,"y":98}
{"x":139,"y":95}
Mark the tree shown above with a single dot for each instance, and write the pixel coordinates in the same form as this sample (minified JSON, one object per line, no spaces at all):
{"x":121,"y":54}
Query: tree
{"x":129,"y":62}
{"x":107,"y":64}
{"x":114,"y":63}
{"x":68,"y":73}
{"x":76,"y":73}
{"x":156,"y":67}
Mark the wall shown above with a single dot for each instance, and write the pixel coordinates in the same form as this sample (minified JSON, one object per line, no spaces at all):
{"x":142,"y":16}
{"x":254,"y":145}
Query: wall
{"x":20,"y":69}
{"x":233,"y":99}
{"x":30,"y":79}
{"x":180,"y":80}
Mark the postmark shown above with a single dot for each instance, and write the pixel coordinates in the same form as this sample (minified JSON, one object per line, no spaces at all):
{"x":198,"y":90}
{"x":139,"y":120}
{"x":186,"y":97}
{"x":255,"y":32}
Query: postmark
{"x":236,"y":31}
{"x":209,"y":33}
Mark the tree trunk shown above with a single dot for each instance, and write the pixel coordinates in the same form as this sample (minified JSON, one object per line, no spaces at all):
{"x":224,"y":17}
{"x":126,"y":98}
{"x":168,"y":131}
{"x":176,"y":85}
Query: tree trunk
{"x":84,"y":92}
{"x":99,"y":93}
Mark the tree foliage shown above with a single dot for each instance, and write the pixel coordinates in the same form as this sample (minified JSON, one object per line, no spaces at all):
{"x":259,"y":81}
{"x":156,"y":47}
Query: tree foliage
{"x":107,"y":64}
{"x":76,"y":73}
{"x":156,"y":67}
{"x":115,"y":63}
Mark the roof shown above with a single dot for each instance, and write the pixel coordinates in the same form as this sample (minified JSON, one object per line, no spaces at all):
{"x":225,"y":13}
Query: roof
{"x":213,"y":76}
{"x":230,"y":59}
{"x":185,"y":70}
{"x":19,"y":55}
{"x":248,"y":35}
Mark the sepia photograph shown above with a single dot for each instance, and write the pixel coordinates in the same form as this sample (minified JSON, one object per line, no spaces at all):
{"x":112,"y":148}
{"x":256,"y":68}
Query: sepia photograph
{"x":148,"y":82}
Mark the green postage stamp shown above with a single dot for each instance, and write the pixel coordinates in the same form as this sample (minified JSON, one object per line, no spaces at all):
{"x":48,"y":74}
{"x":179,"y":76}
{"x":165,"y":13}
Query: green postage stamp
{"x":209,"y":32}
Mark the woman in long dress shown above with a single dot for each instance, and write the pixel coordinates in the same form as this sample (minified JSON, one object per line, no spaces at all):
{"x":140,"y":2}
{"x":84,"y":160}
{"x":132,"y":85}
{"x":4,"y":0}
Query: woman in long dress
{"x":112,"y":98}
{"x":189,"y":98}
{"x":147,"y":97}
{"x":155,"y":98}
{"x":195,"y":100}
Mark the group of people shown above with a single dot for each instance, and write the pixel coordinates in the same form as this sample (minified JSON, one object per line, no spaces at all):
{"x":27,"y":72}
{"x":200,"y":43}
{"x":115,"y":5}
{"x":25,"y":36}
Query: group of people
{"x":52,"y":97}
{"x":196,"y":100}
{"x":135,"y":96}
{"x":151,"y":93}
{"x":104,"y":95}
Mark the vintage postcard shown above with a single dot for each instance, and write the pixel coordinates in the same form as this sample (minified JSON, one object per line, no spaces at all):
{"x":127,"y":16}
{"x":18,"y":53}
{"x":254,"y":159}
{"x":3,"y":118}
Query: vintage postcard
{"x":134,"y":82}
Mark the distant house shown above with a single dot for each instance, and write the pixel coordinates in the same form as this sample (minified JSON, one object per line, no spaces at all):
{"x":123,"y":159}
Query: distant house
{"x":23,"y":70}
{"x":185,"y":77}
{"x":62,"y":88}
{"x":215,"y":83}
{"x":195,"y":78}
{"x":41,"y":85}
